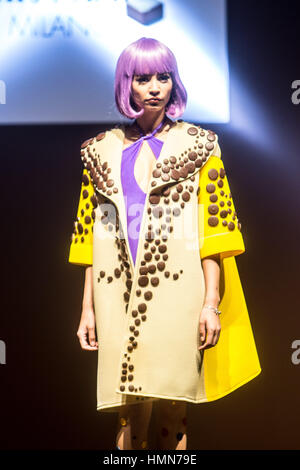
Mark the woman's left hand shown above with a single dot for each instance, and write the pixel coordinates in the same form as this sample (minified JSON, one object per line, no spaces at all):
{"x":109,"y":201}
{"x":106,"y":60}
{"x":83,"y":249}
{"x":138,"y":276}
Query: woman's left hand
{"x":209,"y":328}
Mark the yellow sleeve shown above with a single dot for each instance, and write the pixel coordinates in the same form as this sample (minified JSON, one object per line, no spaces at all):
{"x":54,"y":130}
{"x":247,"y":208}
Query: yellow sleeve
{"x":219,"y":226}
{"x":81,"y":249}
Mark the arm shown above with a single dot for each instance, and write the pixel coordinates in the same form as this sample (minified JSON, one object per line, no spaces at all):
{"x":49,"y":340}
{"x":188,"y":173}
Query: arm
{"x":209,"y":323}
{"x":87,"y":331}
{"x":81,"y":253}
{"x":219,"y":236}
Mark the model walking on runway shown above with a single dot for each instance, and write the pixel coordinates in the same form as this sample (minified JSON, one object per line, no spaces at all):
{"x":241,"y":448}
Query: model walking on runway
{"x":157,"y":232}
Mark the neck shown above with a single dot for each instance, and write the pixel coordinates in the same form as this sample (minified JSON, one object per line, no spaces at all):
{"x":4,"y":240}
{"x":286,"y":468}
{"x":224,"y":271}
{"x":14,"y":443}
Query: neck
{"x":149,"y":122}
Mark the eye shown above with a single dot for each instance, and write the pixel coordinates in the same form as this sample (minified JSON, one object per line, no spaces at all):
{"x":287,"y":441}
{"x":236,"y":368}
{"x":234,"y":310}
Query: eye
{"x":164,"y":76}
{"x":143,"y":78}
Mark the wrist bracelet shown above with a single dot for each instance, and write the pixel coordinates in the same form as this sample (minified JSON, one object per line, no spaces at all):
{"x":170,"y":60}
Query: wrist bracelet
{"x":217,"y":312}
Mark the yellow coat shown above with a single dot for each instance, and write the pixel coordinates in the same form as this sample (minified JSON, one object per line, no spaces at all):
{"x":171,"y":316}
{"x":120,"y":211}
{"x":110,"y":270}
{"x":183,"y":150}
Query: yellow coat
{"x":147,"y":314}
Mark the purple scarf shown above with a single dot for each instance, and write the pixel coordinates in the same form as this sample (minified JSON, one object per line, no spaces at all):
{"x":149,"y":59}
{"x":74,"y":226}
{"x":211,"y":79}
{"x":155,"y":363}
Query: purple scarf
{"x":133,"y":195}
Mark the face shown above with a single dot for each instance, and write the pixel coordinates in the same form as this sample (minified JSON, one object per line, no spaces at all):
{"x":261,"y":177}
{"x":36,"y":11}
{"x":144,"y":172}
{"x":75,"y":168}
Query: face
{"x":144,"y":87}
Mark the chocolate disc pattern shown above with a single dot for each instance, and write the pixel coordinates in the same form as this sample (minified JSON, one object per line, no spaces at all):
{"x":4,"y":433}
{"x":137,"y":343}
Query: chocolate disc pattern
{"x":174,"y":169}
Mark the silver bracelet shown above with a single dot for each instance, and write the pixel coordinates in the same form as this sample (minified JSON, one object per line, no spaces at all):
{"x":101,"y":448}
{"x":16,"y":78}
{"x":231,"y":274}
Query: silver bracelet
{"x":217,"y":312}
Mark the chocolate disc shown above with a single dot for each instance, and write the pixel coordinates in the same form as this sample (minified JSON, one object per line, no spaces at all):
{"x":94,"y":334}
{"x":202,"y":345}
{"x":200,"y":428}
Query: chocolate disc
{"x":85,"y":180}
{"x":213,"y":221}
{"x":213,"y":174}
{"x":213,"y":209}
{"x":175,"y":174}
{"x":210,"y":188}
{"x":183,"y":172}
{"x":222,"y":173}
{"x":154,"y":198}
{"x":192,"y":130}
{"x":100,"y":136}
{"x":211,"y":137}
{"x":192,"y":156}
{"x":186,"y":196}
{"x":209,"y":145}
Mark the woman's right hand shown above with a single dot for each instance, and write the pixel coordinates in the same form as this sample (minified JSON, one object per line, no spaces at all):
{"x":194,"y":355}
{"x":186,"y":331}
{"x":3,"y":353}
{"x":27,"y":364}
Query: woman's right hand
{"x":87,"y":330}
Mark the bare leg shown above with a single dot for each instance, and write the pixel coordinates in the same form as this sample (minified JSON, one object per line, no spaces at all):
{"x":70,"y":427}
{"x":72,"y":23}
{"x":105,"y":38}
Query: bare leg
{"x":171,"y":425}
{"x":132,"y":426}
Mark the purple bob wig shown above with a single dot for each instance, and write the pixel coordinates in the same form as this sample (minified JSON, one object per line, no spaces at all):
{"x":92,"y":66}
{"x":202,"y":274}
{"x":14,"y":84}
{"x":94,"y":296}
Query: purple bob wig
{"x":147,"y":56}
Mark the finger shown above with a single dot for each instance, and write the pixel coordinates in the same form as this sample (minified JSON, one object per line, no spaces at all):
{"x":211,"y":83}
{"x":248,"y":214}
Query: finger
{"x":209,"y":338}
{"x":202,"y":330}
{"x":217,"y":336}
{"x":82,"y":335}
{"x":92,"y":336}
{"x":210,"y":335}
{"x":206,"y":345}
{"x":210,"y":344}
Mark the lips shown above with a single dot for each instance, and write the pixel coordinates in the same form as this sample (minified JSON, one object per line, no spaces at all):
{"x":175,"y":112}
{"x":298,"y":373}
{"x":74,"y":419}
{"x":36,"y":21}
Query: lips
{"x":153,"y":100}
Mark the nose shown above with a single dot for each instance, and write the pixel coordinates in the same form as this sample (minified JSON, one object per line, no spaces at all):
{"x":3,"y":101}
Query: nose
{"x":154,"y":86}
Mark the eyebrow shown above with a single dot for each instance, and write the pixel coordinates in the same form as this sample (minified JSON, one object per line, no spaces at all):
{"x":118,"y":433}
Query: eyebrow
{"x":150,"y":74}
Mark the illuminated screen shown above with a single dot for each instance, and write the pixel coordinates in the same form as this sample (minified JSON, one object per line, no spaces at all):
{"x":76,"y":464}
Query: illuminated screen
{"x":58,"y":57}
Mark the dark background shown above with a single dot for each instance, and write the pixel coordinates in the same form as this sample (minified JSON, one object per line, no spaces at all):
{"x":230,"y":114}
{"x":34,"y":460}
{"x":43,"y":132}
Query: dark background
{"x":48,"y":385}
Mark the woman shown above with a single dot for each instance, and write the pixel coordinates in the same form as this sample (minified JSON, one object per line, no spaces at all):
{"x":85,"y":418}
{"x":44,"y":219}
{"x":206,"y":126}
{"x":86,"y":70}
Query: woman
{"x":157,"y":229}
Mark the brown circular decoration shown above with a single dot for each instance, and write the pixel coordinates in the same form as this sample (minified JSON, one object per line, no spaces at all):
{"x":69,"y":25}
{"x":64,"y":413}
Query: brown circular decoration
{"x":175,"y":196}
{"x":211,"y":137}
{"x":213,"y":221}
{"x":175,"y":174}
{"x":152,"y":268}
{"x":186,"y":196}
{"x":222,"y":172}
{"x":154,"y":198}
{"x":220,"y":183}
{"x":192,"y":156}
{"x":85,"y":180}
{"x":148,"y":295}
{"x":231,"y":226}
{"x":156,"y":173}
{"x":223,"y":214}
{"x":100,"y":136}
{"x":213,"y":198}
{"x":179,"y":188}
{"x":213,"y":209}
{"x":86,"y":143}
{"x":213,"y":174}
{"x":210,"y":188}
{"x":143,"y":281}
{"x":184,"y":171}
{"x":117,"y":272}
{"x":161,"y":266}
{"x":192,"y":130}
{"x":142,"y":308}
{"x":154,"y":281}
{"x":209,"y":145}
